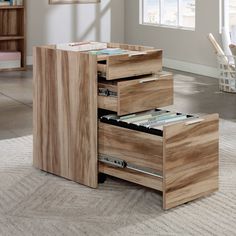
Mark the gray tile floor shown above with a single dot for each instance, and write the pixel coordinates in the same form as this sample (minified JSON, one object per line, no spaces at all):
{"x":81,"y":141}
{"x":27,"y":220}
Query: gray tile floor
{"x":200,"y":94}
{"x":15,"y":104}
{"x":193,"y":94}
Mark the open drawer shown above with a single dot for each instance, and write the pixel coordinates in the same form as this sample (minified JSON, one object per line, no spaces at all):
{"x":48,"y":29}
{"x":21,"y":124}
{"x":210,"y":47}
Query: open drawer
{"x":181,"y":161}
{"x":135,"y":95}
{"x":133,"y":63}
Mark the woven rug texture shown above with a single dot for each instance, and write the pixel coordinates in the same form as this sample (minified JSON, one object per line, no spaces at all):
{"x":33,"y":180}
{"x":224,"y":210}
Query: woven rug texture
{"x":33,"y":202}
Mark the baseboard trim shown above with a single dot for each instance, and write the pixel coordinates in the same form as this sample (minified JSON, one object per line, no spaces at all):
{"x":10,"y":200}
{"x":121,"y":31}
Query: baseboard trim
{"x":29,"y":60}
{"x":177,"y":65}
{"x":191,"y":67}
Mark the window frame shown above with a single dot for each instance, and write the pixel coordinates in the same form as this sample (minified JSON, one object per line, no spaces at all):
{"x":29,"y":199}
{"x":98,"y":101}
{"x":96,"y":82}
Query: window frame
{"x":224,"y":15}
{"x":177,"y":26}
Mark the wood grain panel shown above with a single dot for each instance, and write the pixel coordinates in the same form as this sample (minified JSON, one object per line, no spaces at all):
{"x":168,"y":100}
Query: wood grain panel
{"x":40,"y":90}
{"x":191,"y":160}
{"x":102,"y":68}
{"x":136,"y":95}
{"x":110,"y":85}
{"x":145,"y":94}
{"x":141,"y":149}
{"x":13,"y":31}
{"x":132,"y":176}
{"x":107,"y":103}
{"x":65,"y":114}
{"x":9,"y":21}
{"x":48,"y":155}
{"x":9,"y":45}
{"x":126,"y":66}
{"x":129,"y":47}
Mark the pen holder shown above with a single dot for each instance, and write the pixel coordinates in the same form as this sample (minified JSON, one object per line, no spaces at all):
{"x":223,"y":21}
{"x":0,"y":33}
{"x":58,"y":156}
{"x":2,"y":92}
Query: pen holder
{"x":227,"y":73}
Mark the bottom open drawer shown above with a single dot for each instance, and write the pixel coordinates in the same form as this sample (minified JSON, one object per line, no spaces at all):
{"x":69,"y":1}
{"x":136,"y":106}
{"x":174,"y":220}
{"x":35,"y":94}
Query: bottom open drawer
{"x":140,"y":151}
{"x":181,"y":161}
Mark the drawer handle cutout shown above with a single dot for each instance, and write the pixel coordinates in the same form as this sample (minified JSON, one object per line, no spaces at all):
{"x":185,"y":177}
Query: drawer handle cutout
{"x":192,"y":122}
{"x":137,"y":54}
{"x":148,"y":80}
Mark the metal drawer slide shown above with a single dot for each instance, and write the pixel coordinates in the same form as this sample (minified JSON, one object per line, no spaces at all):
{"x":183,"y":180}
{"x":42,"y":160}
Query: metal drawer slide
{"x":118,"y":163}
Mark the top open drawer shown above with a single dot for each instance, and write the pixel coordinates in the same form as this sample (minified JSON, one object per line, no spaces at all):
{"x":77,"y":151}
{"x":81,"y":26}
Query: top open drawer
{"x":136,"y":61}
{"x":117,"y":61}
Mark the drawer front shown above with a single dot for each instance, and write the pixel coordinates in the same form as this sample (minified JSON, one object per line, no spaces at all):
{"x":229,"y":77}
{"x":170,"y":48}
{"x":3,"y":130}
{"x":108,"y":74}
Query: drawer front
{"x":191,"y":161}
{"x":138,"y":95}
{"x":144,"y":94}
{"x":137,"y":148}
{"x":123,"y":66}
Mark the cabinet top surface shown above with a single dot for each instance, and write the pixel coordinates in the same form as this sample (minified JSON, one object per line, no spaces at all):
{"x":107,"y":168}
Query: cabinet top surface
{"x":104,"y":50}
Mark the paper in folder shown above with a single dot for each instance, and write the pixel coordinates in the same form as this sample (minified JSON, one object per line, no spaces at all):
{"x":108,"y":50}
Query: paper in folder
{"x":141,"y":117}
{"x":150,"y":121}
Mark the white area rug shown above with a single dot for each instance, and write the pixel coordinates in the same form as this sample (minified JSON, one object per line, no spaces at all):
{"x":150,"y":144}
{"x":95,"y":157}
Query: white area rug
{"x":35,"y":203}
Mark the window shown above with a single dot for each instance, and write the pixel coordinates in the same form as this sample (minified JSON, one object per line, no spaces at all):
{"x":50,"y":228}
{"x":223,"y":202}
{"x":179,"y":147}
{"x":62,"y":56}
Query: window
{"x":230,"y":13}
{"x":173,"y":13}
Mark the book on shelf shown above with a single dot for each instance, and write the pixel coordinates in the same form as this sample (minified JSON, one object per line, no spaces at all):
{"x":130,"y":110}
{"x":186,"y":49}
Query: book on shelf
{"x":4,"y":3}
{"x":11,"y":3}
{"x":9,"y":60}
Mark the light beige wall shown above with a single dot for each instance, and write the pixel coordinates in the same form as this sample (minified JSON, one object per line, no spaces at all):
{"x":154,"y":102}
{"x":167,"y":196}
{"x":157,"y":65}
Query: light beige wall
{"x":182,"y":45}
{"x":49,"y":24}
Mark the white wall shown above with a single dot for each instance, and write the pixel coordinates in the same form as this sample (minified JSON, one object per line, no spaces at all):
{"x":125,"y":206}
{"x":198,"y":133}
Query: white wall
{"x":50,"y":24}
{"x":182,"y":48}
{"x":118,"y":21}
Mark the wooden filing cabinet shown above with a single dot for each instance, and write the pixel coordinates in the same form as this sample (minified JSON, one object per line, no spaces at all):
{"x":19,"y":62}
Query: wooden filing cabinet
{"x":70,"y":94}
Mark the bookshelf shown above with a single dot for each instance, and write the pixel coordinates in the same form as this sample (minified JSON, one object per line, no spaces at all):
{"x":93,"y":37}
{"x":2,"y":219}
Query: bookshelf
{"x":13,"y":32}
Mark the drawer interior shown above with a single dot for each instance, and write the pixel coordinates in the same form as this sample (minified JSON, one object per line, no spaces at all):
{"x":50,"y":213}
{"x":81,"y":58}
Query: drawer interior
{"x":130,"y":150}
{"x":122,"y":63}
{"x":150,"y":122}
{"x":133,"y":176}
{"x":131,"y":155}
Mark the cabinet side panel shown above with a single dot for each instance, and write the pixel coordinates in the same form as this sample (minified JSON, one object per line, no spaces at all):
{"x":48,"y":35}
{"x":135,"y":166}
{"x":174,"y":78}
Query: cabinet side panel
{"x":81,"y":113}
{"x":190,"y":160}
{"x":47,"y":139}
{"x":38,"y":104}
{"x":65,"y":114}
